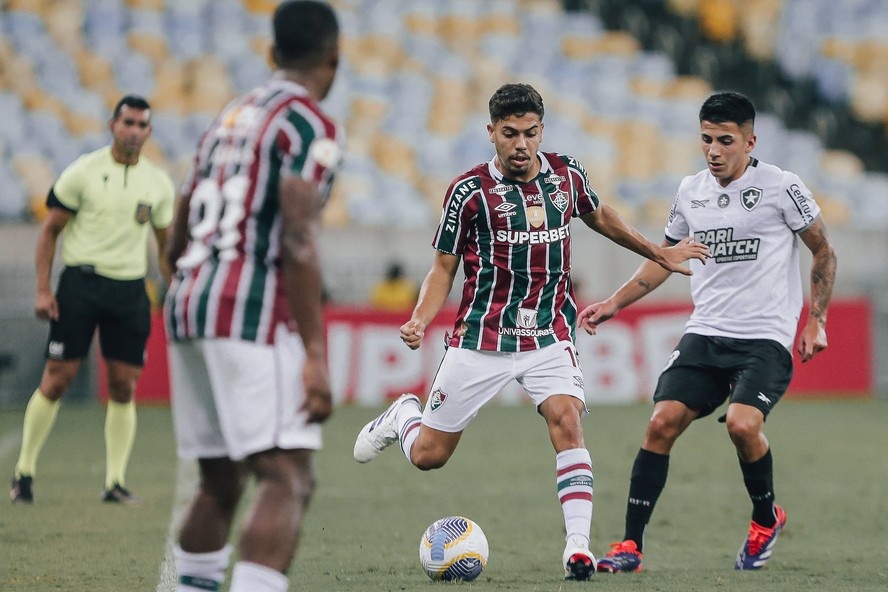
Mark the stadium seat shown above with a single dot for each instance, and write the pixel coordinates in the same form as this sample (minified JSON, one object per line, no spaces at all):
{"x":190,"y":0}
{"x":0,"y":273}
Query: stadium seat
{"x":416,"y":76}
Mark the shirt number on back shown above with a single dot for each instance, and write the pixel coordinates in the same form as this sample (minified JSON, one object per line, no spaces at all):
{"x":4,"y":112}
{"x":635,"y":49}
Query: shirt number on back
{"x":222,"y":209}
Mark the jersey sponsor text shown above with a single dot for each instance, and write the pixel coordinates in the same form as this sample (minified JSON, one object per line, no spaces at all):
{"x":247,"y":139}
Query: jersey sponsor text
{"x":724,"y":249}
{"x":535,"y":237}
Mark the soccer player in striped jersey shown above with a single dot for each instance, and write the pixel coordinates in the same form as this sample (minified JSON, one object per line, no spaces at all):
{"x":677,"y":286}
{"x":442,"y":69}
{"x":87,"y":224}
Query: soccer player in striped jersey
{"x":508,"y":221}
{"x":747,"y":301}
{"x":244,"y":313}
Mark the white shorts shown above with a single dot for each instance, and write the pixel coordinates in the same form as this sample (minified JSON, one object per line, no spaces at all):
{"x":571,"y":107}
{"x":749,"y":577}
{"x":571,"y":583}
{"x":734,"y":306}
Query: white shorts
{"x":467,"y":379}
{"x":234,"y":398}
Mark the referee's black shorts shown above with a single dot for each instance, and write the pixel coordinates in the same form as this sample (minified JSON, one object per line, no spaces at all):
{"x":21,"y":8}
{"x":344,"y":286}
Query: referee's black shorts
{"x":119,"y":308}
{"x":703,"y":371}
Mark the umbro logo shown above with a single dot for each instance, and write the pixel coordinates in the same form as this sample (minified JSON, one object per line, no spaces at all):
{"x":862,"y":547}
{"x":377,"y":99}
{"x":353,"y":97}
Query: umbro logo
{"x":505,"y":207}
{"x":699,"y":203}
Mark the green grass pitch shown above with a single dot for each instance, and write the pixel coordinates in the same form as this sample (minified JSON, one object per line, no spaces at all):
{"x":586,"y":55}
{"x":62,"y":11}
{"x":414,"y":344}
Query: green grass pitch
{"x":365,"y":522}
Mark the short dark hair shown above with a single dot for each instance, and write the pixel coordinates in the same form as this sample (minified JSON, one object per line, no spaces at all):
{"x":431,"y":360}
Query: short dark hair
{"x":131,"y":101}
{"x":515,"y":99}
{"x":728,"y":107}
{"x":304,"y":31}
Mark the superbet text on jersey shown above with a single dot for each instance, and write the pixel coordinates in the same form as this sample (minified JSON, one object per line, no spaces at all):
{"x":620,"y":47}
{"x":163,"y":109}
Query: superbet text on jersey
{"x":514,"y":239}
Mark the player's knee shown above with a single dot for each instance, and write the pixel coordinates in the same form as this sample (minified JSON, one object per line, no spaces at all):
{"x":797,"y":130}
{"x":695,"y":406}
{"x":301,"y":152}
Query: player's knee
{"x":121,"y":390}
{"x":663,"y":429}
{"x":289,"y":471}
{"x":563,"y":417}
{"x":225,"y":496}
{"x":742,"y":430}
{"x":55,"y":383}
{"x":428,"y":459}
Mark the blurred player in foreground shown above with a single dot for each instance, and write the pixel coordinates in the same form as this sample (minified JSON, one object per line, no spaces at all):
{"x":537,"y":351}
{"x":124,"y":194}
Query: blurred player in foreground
{"x":747,"y":301}
{"x":244,"y":314}
{"x":509,"y":222}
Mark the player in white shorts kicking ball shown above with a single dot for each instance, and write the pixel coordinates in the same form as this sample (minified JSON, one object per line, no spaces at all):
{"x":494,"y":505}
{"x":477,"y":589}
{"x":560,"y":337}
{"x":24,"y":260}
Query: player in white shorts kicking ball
{"x":508,"y":220}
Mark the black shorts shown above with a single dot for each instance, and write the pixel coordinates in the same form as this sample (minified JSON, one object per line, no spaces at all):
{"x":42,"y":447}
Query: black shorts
{"x":703,"y":371}
{"x":119,"y":308}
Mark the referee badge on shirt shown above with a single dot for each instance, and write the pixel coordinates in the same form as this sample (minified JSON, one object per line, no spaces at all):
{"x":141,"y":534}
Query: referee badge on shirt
{"x":143,"y":213}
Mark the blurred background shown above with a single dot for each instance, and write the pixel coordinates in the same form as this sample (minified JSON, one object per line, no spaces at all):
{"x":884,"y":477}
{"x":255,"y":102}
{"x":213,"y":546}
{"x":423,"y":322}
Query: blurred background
{"x":622,"y":80}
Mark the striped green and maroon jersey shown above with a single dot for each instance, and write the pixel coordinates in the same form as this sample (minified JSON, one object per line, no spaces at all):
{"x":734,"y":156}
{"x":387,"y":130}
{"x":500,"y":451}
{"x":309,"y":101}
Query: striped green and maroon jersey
{"x":514,"y":239}
{"x":229,"y":282}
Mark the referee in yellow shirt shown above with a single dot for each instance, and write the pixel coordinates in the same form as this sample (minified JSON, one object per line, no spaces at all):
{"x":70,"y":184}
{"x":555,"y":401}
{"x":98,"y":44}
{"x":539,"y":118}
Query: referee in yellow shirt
{"x":103,"y":203}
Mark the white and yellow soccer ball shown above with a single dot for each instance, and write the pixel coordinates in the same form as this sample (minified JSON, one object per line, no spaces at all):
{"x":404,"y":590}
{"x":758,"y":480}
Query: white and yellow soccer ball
{"x":453,"y":548}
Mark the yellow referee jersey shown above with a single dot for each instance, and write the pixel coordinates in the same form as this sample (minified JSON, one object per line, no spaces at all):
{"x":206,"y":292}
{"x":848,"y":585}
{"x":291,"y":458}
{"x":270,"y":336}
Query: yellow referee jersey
{"x":114,"y":205}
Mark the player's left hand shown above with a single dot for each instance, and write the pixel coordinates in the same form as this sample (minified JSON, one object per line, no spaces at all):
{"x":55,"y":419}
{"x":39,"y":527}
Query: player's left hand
{"x":685,"y":249}
{"x":812,"y":340}
{"x":412,"y":333}
{"x":318,"y":397}
{"x":595,"y":314}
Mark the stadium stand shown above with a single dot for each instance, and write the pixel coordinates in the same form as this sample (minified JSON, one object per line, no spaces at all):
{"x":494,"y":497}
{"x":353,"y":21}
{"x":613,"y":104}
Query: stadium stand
{"x":623,"y":81}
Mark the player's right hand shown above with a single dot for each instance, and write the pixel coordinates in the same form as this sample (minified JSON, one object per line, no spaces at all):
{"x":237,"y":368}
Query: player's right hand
{"x":46,"y":308}
{"x":595,"y":314}
{"x":412,"y":332}
{"x":681,"y":251}
{"x":318,"y":404}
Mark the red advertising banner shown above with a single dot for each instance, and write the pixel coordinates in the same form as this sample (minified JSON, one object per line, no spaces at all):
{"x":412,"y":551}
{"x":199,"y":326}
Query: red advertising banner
{"x":369,"y":364}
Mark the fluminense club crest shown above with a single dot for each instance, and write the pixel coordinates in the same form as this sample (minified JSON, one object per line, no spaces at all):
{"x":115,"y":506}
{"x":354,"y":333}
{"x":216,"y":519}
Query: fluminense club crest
{"x":437,"y":399}
{"x":559,"y":200}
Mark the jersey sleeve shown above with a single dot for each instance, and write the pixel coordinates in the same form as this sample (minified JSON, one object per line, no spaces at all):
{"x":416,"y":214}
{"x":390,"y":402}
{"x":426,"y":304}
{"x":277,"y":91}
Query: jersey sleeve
{"x":460,"y":208}
{"x":585,"y":199}
{"x":68,"y":188}
{"x":308,"y":149}
{"x":162,"y":213}
{"x":676,"y":225}
{"x":797,"y":204}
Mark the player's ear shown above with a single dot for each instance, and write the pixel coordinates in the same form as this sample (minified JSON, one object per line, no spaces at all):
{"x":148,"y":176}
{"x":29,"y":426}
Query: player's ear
{"x":490,"y":132}
{"x":273,"y":57}
{"x":750,"y":142}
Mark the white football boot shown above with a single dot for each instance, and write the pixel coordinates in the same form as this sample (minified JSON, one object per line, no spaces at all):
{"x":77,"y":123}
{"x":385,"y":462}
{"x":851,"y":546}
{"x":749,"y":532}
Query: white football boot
{"x":382,"y":432}
{"x":579,"y":563}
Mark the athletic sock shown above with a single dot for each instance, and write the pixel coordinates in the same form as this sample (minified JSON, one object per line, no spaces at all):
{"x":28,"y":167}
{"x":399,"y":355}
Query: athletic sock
{"x":40,"y":416}
{"x":648,"y":479}
{"x":408,"y":421}
{"x":574,"y":485}
{"x":252,"y":577}
{"x":120,"y":432}
{"x":759,"y":479}
{"x":201,"y":572}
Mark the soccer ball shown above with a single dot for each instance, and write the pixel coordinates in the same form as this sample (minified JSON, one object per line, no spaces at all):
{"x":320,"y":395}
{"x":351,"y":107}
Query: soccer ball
{"x":453,"y":548}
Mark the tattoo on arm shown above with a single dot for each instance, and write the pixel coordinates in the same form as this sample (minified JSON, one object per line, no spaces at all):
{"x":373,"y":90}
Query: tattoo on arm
{"x":644,"y":284}
{"x":823,"y":271}
{"x":823,"y":276}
